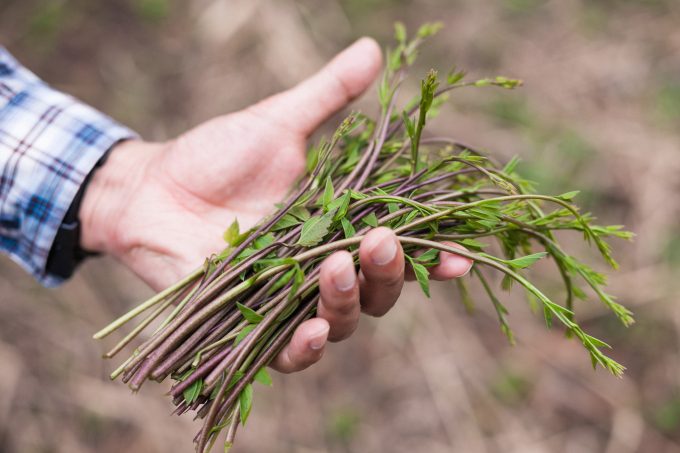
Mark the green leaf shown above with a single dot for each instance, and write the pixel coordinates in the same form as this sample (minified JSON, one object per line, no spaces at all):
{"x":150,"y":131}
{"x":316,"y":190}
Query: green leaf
{"x":465,"y":295}
{"x":525,"y":261}
{"x":211,"y":263}
{"x":499,"y":81}
{"x":510,"y":166}
{"x":264,"y":241}
{"x":485,"y":212}
{"x":429,"y":29}
{"x":507,"y":282}
{"x":393,"y":58}
{"x":192,"y":392}
{"x":245,"y":400}
{"x":422,"y":275}
{"x":238,"y":375}
{"x":328,"y":194}
{"x":357,"y":195}
{"x":579,"y":293}
{"x":216,"y":429}
{"x":348,"y":228}
{"x":186,"y":374}
{"x":399,"y":32}
{"x":231,"y":236}
{"x":507,"y":83}
{"x":472,"y":243}
{"x":597,"y":342}
{"x":300,"y":212}
{"x":315,"y":229}
{"x":384,"y":89}
{"x":548,"y":315}
{"x":262,"y":376}
{"x":501,"y":311}
{"x":281,"y":282}
{"x":244,"y":333}
{"x":406,"y":218}
{"x":410,"y":126}
{"x":569,"y":195}
{"x":248,"y":251}
{"x":340,"y":205}
{"x":454,"y":76}
{"x":289,"y":310}
{"x":312,"y":158}
{"x":371,"y":220}
{"x":298,"y":280}
{"x":411,"y":57}
{"x":287,"y":221}
{"x":429,"y":257}
{"x":249,"y":314}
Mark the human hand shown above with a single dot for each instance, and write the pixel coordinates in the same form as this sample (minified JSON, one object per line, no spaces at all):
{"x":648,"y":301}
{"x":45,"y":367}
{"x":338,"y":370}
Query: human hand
{"x":161,"y":208}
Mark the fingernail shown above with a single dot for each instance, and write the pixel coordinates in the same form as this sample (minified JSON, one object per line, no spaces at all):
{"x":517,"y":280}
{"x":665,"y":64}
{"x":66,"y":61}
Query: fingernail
{"x":468,"y":269}
{"x":385,"y":251}
{"x":345,"y":278}
{"x":318,"y":339}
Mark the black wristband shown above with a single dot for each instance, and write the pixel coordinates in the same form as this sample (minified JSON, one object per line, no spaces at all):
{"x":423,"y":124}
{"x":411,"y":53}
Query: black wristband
{"x":66,"y":253}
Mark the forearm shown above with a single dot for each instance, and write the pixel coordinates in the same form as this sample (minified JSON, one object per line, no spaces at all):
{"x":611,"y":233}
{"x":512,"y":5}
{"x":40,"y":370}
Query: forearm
{"x":49,"y":143}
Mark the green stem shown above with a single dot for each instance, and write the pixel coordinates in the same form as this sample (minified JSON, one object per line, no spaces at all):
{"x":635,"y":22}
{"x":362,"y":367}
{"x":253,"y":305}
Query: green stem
{"x":148,"y":304}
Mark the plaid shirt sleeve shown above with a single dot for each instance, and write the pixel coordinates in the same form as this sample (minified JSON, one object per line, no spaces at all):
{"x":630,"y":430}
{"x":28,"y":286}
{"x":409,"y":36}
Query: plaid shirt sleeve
{"x":49,"y":142}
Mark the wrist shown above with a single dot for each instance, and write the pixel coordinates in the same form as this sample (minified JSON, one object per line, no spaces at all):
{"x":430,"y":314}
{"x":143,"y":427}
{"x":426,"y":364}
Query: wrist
{"x":110,"y":191}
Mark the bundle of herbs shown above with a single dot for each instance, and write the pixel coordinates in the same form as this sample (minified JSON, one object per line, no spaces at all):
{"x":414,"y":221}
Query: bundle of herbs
{"x":229,"y":318}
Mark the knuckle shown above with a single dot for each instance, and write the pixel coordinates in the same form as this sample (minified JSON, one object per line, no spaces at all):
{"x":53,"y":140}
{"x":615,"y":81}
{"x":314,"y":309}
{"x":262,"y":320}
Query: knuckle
{"x":309,"y":359}
{"x":335,"y":338}
{"x":377,"y":310}
{"x":387,"y":280}
{"x":341,"y":87}
{"x":282,"y":366}
{"x":344,"y":331}
{"x":395,"y":282}
{"x":342,"y":306}
{"x":284,"y":369}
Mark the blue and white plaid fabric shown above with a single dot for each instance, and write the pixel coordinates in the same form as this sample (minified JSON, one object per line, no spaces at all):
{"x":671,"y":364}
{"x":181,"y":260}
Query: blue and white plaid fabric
{"x":49,"y":142}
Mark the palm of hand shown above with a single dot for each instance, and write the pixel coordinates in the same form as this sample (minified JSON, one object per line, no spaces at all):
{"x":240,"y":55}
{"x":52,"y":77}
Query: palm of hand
{"x":235,"y":166}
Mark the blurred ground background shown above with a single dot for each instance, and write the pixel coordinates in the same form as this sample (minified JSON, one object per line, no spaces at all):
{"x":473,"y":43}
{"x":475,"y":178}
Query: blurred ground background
{"x":600,"y":112}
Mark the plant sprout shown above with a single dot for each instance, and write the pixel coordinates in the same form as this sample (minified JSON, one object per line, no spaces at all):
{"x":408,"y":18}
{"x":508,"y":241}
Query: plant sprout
{"x":229,"y":318}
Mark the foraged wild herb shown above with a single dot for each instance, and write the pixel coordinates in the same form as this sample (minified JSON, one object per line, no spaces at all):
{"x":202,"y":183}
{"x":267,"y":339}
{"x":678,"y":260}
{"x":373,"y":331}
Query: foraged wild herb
{"x":231,"y":317}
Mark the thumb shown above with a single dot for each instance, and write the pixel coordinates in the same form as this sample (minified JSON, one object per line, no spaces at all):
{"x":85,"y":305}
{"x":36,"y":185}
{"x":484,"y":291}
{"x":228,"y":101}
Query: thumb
{"x":307,"y":105}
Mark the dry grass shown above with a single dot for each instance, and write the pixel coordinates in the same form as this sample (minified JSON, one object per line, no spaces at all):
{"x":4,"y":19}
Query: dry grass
{"x":599,"y":112}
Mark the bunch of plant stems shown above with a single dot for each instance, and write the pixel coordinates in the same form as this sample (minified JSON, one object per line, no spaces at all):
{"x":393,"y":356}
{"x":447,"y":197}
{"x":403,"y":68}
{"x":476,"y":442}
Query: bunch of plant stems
{"x":229,"y":318}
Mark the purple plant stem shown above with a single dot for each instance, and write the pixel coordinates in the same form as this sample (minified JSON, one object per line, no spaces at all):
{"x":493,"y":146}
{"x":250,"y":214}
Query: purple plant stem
{"x":274,"y":348}
{"x":163,"y":345}
{"x":166,"y":366}
{"x":198,"y":336}
{"x":148,"y":349}
{"x":404,"y":189}
{"x":248,"y":343}
{"x":201,"y":371}
{"x":375,"y":152}
{"x":387,"y":183}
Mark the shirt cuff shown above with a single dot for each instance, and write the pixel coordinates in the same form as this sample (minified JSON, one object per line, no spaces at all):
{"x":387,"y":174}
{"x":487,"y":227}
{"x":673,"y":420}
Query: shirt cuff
{"x":49,"y":143}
